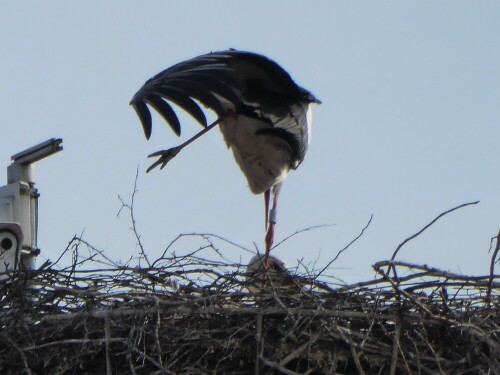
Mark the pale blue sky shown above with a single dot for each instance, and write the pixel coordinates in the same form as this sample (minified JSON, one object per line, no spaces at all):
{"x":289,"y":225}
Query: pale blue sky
{"x":409,"y":125}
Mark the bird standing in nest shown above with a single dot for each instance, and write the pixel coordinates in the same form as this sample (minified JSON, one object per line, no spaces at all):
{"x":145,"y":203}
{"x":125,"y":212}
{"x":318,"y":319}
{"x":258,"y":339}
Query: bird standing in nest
{"x":264,"y":116}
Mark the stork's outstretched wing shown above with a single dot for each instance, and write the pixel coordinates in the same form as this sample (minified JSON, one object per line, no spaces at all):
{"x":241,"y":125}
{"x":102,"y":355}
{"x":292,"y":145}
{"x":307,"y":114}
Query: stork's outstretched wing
{"x":246,"y":82}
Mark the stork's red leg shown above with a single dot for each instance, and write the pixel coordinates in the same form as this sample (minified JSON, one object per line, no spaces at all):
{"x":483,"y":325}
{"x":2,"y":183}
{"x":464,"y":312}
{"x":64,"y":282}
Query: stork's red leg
{"x":267,"y":195}
{"x":272,"y":223}
{"x":167,"y":155}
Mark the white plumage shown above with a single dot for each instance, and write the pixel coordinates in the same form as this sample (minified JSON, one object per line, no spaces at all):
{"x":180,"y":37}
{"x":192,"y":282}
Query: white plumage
{"x":265,"y":161}
{"x":263,"y":115}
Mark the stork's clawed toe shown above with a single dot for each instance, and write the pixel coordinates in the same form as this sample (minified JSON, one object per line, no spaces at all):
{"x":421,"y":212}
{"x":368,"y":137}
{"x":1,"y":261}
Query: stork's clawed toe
{"x":164,"y":157}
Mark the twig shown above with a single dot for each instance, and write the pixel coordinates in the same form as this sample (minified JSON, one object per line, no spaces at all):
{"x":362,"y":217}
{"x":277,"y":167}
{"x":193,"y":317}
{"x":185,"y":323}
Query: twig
{"x":65,"y":250}
{"x":277,"y":366}
{"x":301,"y":231}
{"x":107,"y":333}
{"x":147,"y":357}
{"x":101,"y":253}
{"x":427,"y":271}
{"x":430,"y":346}
{"x":157,"y":333}
{"x":204,"y":236}
{"x":259,"y":345}
{"x":426,"y":227}
{"x":299,"y":350}
{"x":355,"y":358}
{"x":130,"y":207}
{"x":20,"y":351}
{"x":395,"y":346}
{"x":492,"y":270}
{"x":73,"y":341}
{"x":345,"y":248}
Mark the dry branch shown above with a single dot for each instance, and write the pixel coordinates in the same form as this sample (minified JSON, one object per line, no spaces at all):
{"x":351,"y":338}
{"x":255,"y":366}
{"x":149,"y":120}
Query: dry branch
{"x":188,"y":315}
{"x":194,"y":314}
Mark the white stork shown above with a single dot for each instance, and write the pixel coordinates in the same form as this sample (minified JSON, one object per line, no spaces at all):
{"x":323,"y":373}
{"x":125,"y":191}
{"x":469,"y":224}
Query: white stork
{"x":263,"y":115}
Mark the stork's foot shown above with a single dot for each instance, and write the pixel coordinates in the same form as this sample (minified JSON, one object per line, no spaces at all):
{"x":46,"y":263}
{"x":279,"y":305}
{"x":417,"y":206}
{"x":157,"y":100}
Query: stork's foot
{"x":165,"y":157}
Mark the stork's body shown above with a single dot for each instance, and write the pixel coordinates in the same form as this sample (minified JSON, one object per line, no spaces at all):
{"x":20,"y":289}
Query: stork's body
{"x":265,"y":161}
{"x":262,"y":114}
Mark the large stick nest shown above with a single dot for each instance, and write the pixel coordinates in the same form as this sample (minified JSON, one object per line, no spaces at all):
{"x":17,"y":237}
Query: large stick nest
{"x":192,"y":315}
{"x":188,"y":315}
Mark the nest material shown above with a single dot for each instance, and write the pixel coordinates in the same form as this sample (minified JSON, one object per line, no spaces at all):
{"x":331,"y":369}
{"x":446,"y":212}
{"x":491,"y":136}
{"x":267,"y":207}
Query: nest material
{"x":189,"y":315}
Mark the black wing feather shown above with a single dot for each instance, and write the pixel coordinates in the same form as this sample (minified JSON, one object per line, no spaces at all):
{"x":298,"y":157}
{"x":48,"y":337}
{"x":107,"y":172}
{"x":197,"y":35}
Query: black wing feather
{"x":184,"y":101}
{"x":214,"y":85}
{"x":164,"y":109}
{"x":145,"y":116}
{"x":198,"y":92}
{"x":222,"y":73}
{"x":225,"y":79}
